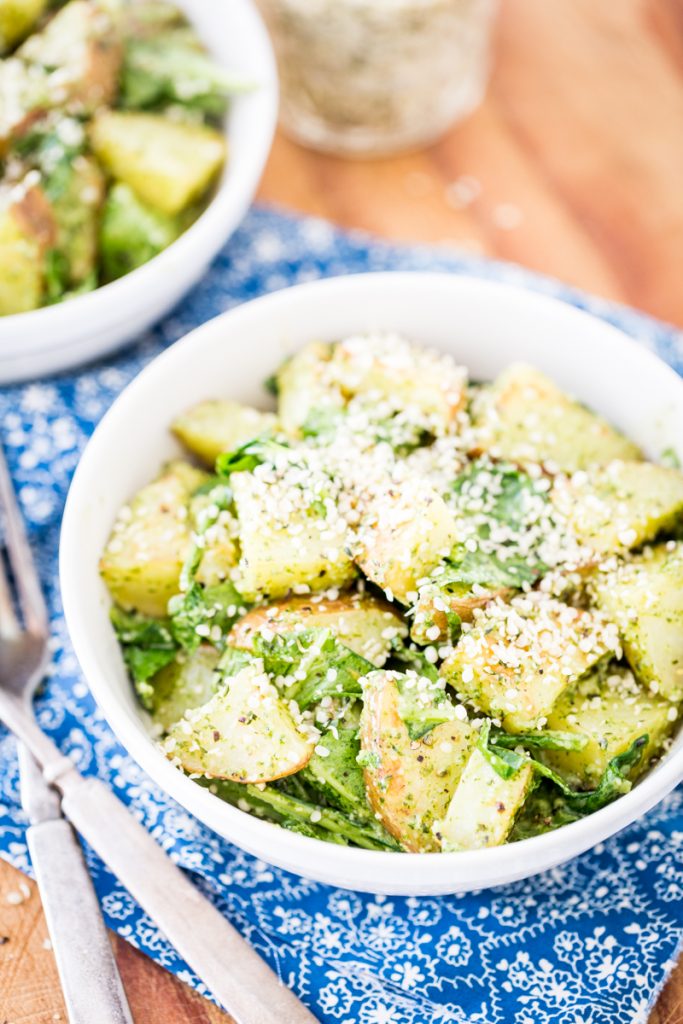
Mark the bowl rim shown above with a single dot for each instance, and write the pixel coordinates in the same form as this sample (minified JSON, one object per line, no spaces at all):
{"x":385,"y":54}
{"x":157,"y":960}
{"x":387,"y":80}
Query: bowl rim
{"x":229,"y":196}
{"x":490,"y":866}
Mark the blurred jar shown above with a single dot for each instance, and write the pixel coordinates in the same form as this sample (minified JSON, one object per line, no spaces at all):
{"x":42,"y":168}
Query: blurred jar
{"x":368,"y":77}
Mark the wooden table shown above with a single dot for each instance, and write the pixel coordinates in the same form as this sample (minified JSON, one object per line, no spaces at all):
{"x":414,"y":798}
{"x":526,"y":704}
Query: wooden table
{"x":572,"y":166}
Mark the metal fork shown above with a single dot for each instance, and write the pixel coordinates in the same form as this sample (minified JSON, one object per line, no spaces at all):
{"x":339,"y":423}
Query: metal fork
{"x":237,"y":976}
{"x":90,"y":980}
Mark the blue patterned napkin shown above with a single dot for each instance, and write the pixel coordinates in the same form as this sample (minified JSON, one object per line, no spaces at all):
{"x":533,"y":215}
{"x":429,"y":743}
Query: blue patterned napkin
{"x":587,"y":943}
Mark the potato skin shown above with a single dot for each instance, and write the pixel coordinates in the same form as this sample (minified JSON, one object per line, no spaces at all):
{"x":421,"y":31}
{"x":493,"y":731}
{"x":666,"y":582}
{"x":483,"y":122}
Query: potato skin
{"x":409,"y":783}
{"x":360,"y":622}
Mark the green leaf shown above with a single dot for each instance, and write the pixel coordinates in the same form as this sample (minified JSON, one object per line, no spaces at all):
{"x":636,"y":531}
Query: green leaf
{"x":249,"y":455}
{"x":614,"y":781}
{"x":170,"y":69}
{"x":147,"y":645}
{"x":423,"y":707}
{"x":232,"y":661}
{"x":203,"y":607}
{"x":281,"y":807}
{"x":271,"y":385}
{"x":508,"y":501}
{"x":312,"y":664}
{"x":547,"y":739}
{"x":406,"y":657}
{"x":56,"y":275}
{"x":487,"y":570}
{"x":505,"y":763}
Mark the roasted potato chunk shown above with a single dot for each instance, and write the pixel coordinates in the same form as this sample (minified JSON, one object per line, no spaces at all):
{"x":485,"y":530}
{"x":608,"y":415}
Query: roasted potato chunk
{"x":410,"y":783}
{"x":217,"y":426}
{"x":149,"y":541}
{"x":244,"y":733}
{"x":526,"y":418}
{"x":519,"y":657}
{"x":362,"y":623}
{"x":168,"y":164}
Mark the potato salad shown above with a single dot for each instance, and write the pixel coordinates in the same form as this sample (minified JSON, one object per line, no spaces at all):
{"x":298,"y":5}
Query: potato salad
{"x":405,"y":611}
{"x":110,"y":141}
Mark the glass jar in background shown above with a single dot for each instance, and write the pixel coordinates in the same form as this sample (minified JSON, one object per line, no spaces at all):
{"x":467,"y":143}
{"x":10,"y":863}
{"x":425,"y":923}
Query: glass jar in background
{"x":371,"y":77}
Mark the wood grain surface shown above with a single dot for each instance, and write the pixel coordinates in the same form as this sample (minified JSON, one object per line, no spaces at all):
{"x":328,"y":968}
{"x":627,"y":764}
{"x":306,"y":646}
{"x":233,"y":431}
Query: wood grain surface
{"x":572,"y":166}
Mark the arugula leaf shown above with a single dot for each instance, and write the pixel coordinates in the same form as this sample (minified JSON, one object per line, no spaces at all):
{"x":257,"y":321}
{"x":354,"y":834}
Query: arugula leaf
{"x":613,"y":783}
{"x":505,"y":763}
{"x":488,"y":570}
{"x":217,"y":489}
{"x":281,"y":806}
{"x":406,"y":657}
{"x":272,"y":385}
{"x":172,"y":69}
{"x":203,"y":607}
{"x":423,"y":708}
{"x":56,"y":269}
{"x":249,"y":455}
{"x":509,"y":501}
{"x":317,"y":664}
{"x":546,"y":739}
{"x":232,"y":661}
{"x":544,"y":810}
{"x":147,"y":645}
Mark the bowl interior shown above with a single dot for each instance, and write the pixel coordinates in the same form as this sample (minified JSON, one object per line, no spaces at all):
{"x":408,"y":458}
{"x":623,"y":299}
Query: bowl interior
{"x":486,"y":326}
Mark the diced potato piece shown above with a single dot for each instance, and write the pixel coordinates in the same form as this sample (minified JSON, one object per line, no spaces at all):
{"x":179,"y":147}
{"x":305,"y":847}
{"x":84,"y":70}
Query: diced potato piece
{"x":213,"y":427}
{"x":484,"y":806}
{"x":132,"y":232}
{"x":362,"y":623}
{"x":424,"y":382}
{"x":81,"y":43}
{"x":17,"y":18}
{"x":25,"y":93}
{"x":610,"y":710}
{"x":321,"y":379}
{"x":645,"y":599}
{"x":244,"y":733}
{"x":519,"y":657}
{"x":186,"y":683}
{"x":27,"y":230}
{"x":150,"y":539}
{"x":304,"y":387}
{"x":525,"y":417}
{"x":620,"y":506}
{"x":77,"y":210}
{"x":430,"y":612}
{"x":282,"y":543}
{"x":409,"y":782}
{"x":167,"y":163}
{"x":406,"y":529}
{"x":221,"y":551}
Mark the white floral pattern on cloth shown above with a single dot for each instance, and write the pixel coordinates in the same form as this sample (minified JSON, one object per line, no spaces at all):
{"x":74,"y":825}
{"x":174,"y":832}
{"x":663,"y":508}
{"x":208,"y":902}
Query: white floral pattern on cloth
{"x":587,"y":943}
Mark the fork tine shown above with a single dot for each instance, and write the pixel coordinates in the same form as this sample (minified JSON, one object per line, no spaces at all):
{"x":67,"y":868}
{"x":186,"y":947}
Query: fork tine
{"x":21,"y":559}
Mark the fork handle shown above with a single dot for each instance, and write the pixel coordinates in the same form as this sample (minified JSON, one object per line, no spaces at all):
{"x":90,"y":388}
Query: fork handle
{"x":85,"y":960}
{"x":236,"y":975}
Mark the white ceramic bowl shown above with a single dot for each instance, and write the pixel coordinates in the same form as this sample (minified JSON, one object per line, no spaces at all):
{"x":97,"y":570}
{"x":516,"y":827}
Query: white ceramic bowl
{"x":56,"y":337}
{"x":485,"y":325}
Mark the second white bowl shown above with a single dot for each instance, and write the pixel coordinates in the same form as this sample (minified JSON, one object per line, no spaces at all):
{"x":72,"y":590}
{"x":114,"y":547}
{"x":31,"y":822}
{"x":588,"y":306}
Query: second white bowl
{"x":57,"y":337}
